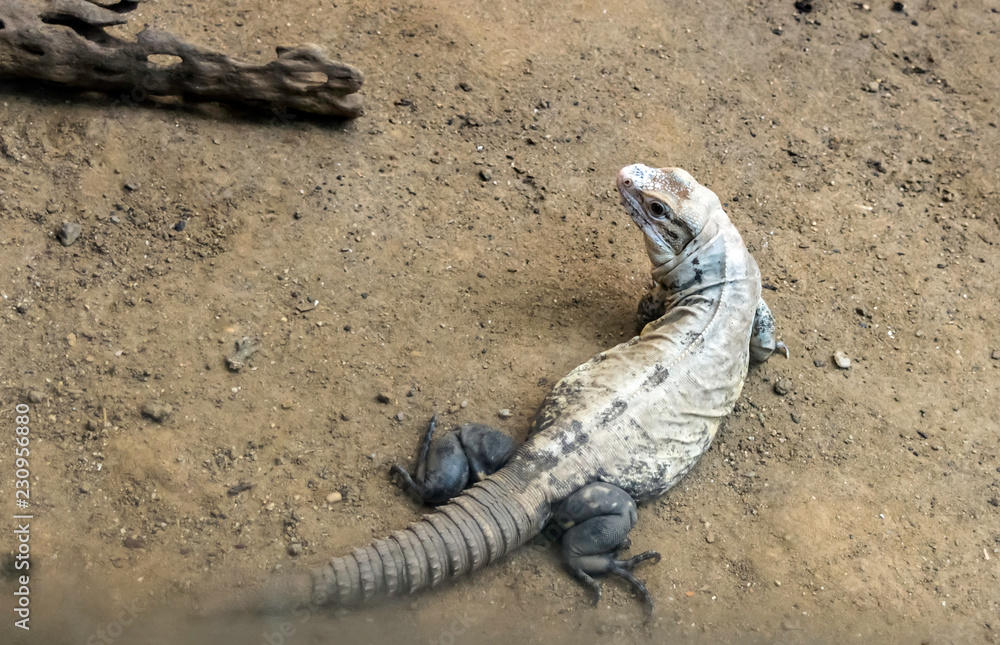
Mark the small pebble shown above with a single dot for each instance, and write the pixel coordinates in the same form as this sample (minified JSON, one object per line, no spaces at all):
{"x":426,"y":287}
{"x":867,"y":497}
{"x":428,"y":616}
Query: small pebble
{"x":52,"y":208}
{"x":180,"y":225}
{"x":710,"y":538}
{"x":465,"y":87}
{"x":995,"y":355}
{"x":782,"y":386}
{"x":481,"y":274}
{"x":400,"y":416}
{"x":504,"y":413}
{"x":796,"y":417}
{"x":132,"y":186}
{"x":841,"y":360}
{"x":69,"y":232}
{"x":334,"y":498}
{"x":35,"y":396}
{"x":819,"y":362}
{"x":85,"y":488}
{"x":873,"y":86}
{"x":485,"y":175}
{"x":134,"y":542}
{"x":22,"y":308}
{"x":115,"y":219}
{"x":156,"y":410}
{"x":294,"y":549}
{"x":381,"y":398}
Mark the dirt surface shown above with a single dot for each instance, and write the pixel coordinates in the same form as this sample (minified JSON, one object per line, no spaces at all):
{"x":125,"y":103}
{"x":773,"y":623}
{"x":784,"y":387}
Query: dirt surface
{"x":459,"y":249}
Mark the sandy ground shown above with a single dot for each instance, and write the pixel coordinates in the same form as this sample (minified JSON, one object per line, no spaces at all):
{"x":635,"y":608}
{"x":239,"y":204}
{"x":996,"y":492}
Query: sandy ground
{"x":855,"y":148}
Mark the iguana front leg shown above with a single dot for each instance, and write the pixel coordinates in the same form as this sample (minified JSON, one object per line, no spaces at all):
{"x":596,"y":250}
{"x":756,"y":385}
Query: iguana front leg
{"x":596,"y":520}
{"x":446,"y":467}
{"x":764,"y":339}
{"x":652,"y":305}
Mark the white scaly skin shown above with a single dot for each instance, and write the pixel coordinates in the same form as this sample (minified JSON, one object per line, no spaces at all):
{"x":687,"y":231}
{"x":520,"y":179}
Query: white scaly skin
{"x":638,"y":415}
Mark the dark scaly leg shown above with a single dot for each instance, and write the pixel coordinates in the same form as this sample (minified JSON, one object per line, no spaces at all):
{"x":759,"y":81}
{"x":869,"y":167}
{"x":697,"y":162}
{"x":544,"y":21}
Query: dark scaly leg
{"x":447,"y":465}
{"x":764,"y":339}
{"x":596,"y":520}
{"x":442,"y":468}
{"x":486,"y":448}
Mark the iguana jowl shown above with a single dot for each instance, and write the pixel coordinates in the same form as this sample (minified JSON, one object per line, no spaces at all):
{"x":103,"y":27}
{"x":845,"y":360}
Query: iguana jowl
{"x":622,"y":428}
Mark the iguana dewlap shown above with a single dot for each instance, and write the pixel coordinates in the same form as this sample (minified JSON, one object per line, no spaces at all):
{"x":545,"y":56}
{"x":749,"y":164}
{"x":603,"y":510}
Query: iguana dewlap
{"x":637,"y":416}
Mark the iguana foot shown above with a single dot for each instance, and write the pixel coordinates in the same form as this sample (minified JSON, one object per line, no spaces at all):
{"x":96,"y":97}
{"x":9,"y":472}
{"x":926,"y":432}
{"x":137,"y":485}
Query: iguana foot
{"x":596,"y":520}
{"x":763,"y":339}
{"x":446,"y":466}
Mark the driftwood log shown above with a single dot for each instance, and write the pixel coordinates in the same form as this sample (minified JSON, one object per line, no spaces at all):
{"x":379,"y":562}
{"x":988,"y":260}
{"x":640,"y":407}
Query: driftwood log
{"x":64,"y":41}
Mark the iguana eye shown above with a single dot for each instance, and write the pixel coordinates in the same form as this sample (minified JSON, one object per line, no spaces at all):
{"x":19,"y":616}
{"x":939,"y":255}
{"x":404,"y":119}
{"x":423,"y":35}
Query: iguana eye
{"x":658,"y":209}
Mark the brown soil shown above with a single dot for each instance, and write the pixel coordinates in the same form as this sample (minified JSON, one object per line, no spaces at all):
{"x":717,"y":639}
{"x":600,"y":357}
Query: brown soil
{"x":856,"y":149}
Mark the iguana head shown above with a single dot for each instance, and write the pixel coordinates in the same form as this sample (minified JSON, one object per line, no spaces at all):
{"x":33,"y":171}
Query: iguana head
{"x":668,"y":205}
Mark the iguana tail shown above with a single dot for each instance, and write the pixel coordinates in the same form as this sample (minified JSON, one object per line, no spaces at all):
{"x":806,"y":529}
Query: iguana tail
{"x":483,"y":524}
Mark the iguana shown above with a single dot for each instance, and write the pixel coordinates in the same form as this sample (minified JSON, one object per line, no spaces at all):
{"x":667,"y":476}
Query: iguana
{"x":622,"y":428}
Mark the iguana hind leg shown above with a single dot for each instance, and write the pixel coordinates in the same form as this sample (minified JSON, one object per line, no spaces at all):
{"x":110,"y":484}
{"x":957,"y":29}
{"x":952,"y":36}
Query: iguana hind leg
{"x":486,"y":448}
{"x":764,"y":337}
{"x":596,"y":520}
{"x":447,"y":465}
{"x":442,"y":469}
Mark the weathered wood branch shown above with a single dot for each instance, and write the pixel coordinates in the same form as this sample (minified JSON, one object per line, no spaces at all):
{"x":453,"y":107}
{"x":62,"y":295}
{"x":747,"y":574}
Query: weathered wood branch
{"x":64,"y":41}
